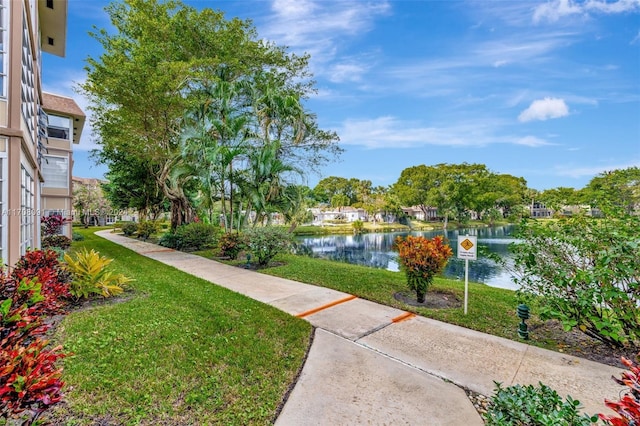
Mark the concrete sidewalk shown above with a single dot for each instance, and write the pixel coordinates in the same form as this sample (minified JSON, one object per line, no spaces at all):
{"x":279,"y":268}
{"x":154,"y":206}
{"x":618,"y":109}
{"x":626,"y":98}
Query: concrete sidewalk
{"x":373,"y":364}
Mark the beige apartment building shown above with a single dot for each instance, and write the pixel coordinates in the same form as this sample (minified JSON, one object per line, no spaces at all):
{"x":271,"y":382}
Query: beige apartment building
{"x":35,"y":166}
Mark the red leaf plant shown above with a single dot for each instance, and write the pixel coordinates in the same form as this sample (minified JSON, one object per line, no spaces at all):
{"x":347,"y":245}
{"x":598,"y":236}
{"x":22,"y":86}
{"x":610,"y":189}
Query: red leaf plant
{"x":44,"y":265}
{"x":628,"y":407}
{"x":421,"y":259}
{"x":29,"y":379}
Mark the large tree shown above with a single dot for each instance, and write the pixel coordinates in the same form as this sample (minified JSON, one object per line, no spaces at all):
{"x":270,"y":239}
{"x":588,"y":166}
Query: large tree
{"x":151,"y":71}
{"x":620,"y":188}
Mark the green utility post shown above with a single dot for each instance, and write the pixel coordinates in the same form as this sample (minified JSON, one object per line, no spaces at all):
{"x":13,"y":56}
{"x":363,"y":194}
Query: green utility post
{"x":523,"y":314}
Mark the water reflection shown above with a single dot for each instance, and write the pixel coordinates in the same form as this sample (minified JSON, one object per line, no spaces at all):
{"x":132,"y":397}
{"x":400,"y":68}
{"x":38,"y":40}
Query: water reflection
{"x":375,"y":250}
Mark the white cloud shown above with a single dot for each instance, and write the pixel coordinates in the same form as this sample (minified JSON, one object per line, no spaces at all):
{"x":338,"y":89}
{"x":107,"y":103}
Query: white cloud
{"x":636,"y":39}
{"x":555,"y":10}
{"x":532,"y":141}
{"x":340,"y":73}
{"x":544,"y":109}
{"x":391,"y":132}
{"x":319,"y":27}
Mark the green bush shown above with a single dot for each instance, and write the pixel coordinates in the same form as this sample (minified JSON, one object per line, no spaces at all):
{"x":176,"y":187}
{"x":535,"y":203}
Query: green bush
{"x":169,"y":239}
{"x":584,"y":272}
{"x":76,"y":236}
{"x":265,"y":243}
{"x":533,"y":406}
{"x":59,"y":241}
{"x":129,"y":228}
{"x":195,"y":236}
{"x":147,"y":228}
{"x":231,"y":244}
{"x":358,"y":226}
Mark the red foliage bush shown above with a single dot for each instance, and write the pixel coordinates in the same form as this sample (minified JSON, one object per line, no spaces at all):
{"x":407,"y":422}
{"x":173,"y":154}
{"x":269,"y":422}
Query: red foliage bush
{"x":44,"y":265}
{"x":628,"y":407}
{"x":421,"y":259}
{"x":29,"y":380}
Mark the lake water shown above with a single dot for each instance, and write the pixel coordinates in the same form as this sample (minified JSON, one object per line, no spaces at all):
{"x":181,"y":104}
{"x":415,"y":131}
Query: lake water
{"x":375,"y":250}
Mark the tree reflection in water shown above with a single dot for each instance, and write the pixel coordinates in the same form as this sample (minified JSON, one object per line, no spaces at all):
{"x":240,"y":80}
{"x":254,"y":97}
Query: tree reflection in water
{"x":375,"y":250}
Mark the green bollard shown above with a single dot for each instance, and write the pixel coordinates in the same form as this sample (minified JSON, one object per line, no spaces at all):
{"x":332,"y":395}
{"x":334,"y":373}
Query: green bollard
{"x":523,"y":314}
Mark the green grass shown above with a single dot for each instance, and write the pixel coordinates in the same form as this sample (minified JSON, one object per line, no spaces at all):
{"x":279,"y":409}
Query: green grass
{"x":175,"y":350}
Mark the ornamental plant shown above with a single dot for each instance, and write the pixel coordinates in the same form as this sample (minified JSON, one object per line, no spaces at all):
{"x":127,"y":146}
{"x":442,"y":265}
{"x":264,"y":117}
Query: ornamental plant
{"x":533,"y":406}
{"x":266,"y":242}
{"x":51,"y":225}
{"x":90,"y":275}
{"x":421,"y":259}
{"x":29,"y":379}
{"x":231,"y":244}
{"x":44,"y":266}
{"x":628,"y":407}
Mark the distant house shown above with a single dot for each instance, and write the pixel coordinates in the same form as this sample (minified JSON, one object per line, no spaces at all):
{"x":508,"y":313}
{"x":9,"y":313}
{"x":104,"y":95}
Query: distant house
{"x":346,"y":214}
{"x":539,"y":210}
{"x":424,"y":213}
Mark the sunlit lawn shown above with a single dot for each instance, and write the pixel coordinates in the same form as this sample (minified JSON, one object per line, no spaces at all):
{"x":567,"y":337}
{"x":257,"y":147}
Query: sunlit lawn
{"x":176,"y":350}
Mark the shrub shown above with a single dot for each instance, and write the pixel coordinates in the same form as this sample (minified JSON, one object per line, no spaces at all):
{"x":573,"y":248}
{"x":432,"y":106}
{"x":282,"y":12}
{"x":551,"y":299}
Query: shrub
{"x":45,"y":267}
{"x":584,"y":272}
{"x":169,"y":239}
{"x":196,"y":236}
{"x":231,"y":244}
{"x":266,"y":242}
{"x":91,"y":275}
{"x":76,"y":236}
{"x":147,"y":228}
{"x":51,"y":225}
{"x":29,"y":379}
{"x":628,"y":407}
{"x":129,"y":228}
{"x":421,"y":259}
{"x":533,"y":406}
{"x":56,"y":241}
{"x":358,"y":226}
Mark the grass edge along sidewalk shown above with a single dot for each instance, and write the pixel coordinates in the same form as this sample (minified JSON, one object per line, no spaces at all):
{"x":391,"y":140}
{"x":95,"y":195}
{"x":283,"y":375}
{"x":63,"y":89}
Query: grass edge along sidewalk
{"x":176,"y":350}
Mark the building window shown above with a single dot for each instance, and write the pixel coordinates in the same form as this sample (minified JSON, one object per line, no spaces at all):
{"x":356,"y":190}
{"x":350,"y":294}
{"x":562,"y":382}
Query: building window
{"x":4,"y":12}
{"x":27,"y":88}
{"x":50,"y":4}
{"x":27,"y":211}
{"x":55,"y":171}
{"x":59,"y":127}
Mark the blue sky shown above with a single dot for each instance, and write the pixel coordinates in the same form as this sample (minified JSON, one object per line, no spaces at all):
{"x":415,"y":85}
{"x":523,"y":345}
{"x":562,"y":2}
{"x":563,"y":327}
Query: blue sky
{"x":549,"y":91}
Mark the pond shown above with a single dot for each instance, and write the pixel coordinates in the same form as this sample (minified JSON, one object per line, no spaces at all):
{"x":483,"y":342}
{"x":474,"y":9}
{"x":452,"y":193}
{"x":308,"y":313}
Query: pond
{"x":375,"y":250}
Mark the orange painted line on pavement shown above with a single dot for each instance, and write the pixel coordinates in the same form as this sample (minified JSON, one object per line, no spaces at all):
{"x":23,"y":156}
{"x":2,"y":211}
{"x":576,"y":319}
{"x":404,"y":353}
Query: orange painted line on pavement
{"x":326,"y":306}
{"x":156,"y":251}
{"x":403,"y":317}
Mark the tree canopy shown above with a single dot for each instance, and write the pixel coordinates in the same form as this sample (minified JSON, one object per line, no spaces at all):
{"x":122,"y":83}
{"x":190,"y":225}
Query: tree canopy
{"x":158,"y":64}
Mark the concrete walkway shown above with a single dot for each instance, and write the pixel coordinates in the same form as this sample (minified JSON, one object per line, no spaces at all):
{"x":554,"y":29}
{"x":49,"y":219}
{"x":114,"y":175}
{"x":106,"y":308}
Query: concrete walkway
{"x":373,"y":364}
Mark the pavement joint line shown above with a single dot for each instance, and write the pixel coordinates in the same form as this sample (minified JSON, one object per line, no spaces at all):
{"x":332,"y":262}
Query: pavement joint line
{"x":403,"y":317}
{"x":515,"y":374}
{"x":373,"y":330}
{"x":326,"y":306}
{"x":393,"y":358}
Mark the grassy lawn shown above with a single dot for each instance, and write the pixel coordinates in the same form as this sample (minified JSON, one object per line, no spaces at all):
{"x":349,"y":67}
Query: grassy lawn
{"x":175,"y":350}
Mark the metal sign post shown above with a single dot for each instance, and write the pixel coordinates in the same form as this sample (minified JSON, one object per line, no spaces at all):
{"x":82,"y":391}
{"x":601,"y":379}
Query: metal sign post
{"x":467,"y":250}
